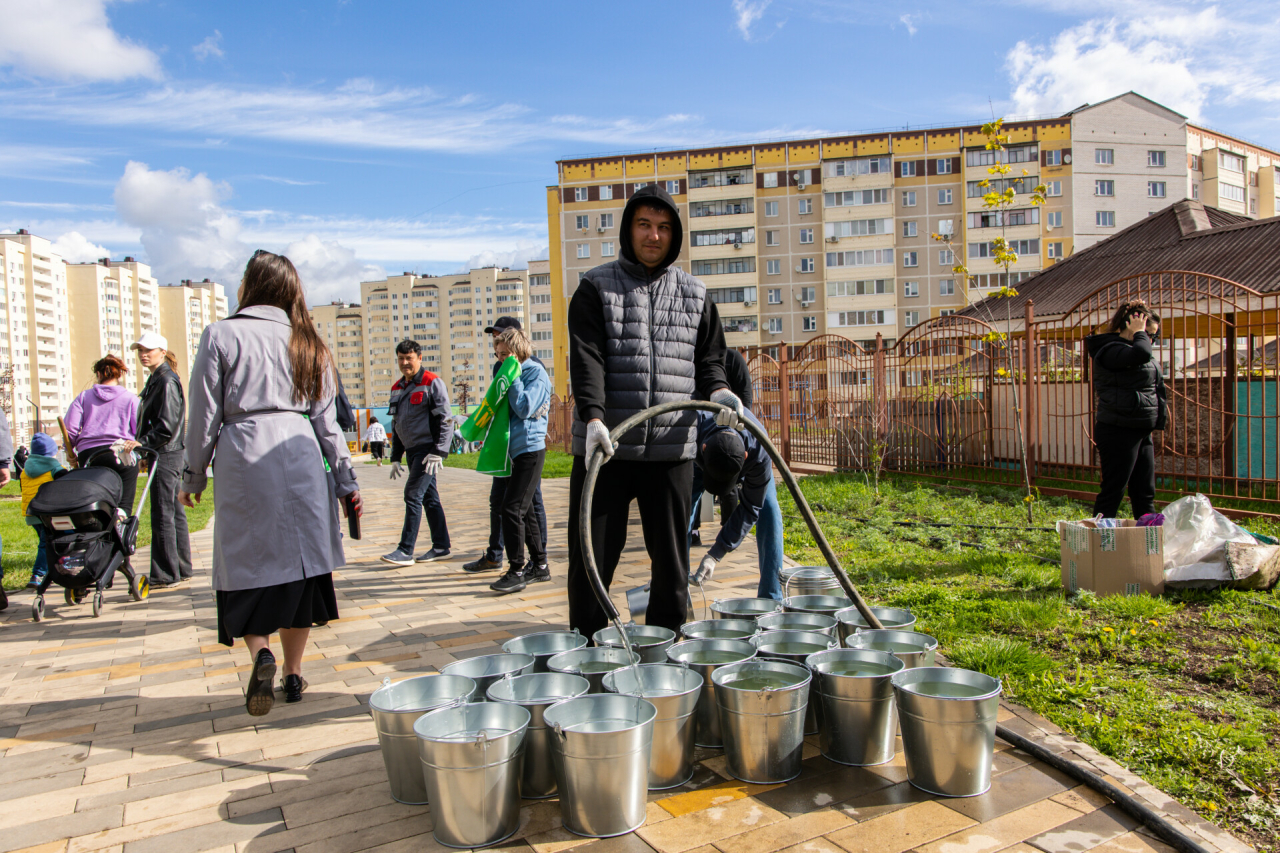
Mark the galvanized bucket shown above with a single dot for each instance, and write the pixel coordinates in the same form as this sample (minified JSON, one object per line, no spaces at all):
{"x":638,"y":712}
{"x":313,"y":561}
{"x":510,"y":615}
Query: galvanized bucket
{"x":649,"y":641}
{"x":718,"y":629}
{"x":600,"y":748}
{"x":396,"y":707}
{"x":536,"y":692}
{"x":911,"y":647}
{"x":486,"y":669}
{"x":705,"y":657}
{"x":892,"y":618}
{"x":592,"y":663}
{"x":798,"y":622}
{"x":827,"y":605}
{"x":471,"y":762}
{"x":744,"y":608}
{"x":809,"y":580}
{"x":545,"y":645}
{"x":853,"y":687}
{"x":948,"y":721}
{"x":674,"y":690}
{"x":796,"y":647}
{"x":763,"y":724}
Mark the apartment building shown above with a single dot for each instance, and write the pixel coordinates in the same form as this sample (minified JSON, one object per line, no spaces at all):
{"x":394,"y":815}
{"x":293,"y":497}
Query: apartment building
{"x":115,"y":302}
{"x":341,"y":327}
{"x":807,"y":237}
{"x":185,"y":310}
{"x":540,"y":322}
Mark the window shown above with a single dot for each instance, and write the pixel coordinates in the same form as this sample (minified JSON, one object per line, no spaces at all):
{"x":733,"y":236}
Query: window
{"x":855,"y":197}
{"x":722,"y":295}
{"x":911,"y":259}
{"x":858,"y":318}
{"x":947,"y":287}
{"x":725,"y":178}
{"x":606,"y":250}
{"x":1053,"y":188}
{"x":606,"y":220}
{"x":807,"y":294}
{"x":1020,"y":247}
{"x":974,"y":189}
{"x":739,"y":324}
{"x":540,"y":299}
{"x":1155,"y":158}
{"x":1155,"y":189}
{"x":807,"y":265}
{"x":907,"y":169}
{"x":727,"y":237}
{"x":944,"y":166}
{"x":775,"y":325}
{"x":806,"y":235}
{"x":911,"y":288}
{"x":806,"y":206}
{"x":541,"y":336}
{"x":861,"y":166}
{"x":1012,"y":154}
{"x":722,"y":207}
{"x":810,"y":324}
{"x":909,"y":229}
{"x":583,"y":222}
{"x":1054,"y":250}
{"x":869,"y":287}
{"x":770,"y":180}
{"x":946,"y":257}
{"x":771,"y":238}
{"x":579,"y":193}
{"x":770,"y":208}
{"x":673,"y":187}
{"x":1195,"y":162}
{"x":1231,"y":162}
{"x":946,"y":227}
{"x":584,"y":250}
{"x":1231,"y":191}
{"x":1195,"y":191}
{"x":542,"y":318}
{"x":1104,"y":188}
{"x":1053,"y":158}
{"x":996,"y":218}
{"x":773,"y":267}
{"x":775,"y":296}
{"x":911,"y":318}
{"x":1054,"y":218}
{"x":1105,"y":219}
{"x":1104,"y":156}
{"x":909,"y":198}
{"x":606,"y":192}
{"x":723,"y":266}
{"x":946,"y":312}
{"x":860,"y":258}
{"x":944,"y":196}
{"x":1253,"y":206}
{"x":858,"y":228}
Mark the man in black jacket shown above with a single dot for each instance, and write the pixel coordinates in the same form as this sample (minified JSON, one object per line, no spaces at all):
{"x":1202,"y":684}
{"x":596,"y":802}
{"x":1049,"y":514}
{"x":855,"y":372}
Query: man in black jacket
{"x":162,"y":421}
{"x":641,"y":332}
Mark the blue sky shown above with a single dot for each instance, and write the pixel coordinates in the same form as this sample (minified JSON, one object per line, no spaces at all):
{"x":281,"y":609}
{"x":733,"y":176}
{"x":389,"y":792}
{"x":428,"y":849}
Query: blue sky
{"x":365,"y":138}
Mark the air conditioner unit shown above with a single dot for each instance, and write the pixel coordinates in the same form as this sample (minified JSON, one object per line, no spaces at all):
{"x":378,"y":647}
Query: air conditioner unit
{"x":737,"y":245}
{"x":833,"y":239}
{"x":748,"y":302}
{"x":805,"y":304}
{"x":600,"y":230}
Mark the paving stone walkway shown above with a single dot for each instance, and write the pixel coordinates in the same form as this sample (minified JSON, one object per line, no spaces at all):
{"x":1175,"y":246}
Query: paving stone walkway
{"x":127,"y":733}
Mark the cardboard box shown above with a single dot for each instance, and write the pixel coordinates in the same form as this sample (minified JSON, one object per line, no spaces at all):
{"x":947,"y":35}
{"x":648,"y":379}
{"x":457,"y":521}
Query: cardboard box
{"x":1125,"y":560}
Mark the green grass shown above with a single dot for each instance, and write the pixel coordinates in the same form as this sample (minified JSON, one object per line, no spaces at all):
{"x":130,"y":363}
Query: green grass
{"x":558,"y":463}
{"x":1183,"y":689}
{"x":20,"y":542}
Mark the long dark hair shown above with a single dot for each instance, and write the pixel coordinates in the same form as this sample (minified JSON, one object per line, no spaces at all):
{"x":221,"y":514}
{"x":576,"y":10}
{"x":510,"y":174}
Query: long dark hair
{"x":1126,"y":310}
{"x":272,"y":280}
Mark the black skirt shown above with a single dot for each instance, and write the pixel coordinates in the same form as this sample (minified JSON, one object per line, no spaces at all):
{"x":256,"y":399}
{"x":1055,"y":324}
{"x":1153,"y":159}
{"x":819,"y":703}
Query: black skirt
{"x":267,"y":609}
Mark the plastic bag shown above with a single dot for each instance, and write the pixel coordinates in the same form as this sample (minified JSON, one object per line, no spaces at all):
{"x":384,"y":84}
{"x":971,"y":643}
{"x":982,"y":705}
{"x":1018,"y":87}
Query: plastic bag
{"x":1195,"y":542}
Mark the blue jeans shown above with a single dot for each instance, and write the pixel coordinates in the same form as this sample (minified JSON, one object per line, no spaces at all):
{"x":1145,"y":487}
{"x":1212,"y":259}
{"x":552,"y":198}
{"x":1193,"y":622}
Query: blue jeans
{"x":768,"y":537}
{"x":421,"y":496}
{"x":41,"y":566}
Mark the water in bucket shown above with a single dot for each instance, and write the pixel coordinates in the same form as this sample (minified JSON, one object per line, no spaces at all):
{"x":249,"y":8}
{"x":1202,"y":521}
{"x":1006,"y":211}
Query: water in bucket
{"x":763,"y":681}
{"x":792,"y":648}
{"x":861,"y":669}
{"x":711,"y":656}
{"x":948,"y":689}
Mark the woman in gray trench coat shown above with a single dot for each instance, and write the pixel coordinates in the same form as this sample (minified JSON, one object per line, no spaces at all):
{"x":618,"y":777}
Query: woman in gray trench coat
{"x":262,"y":394}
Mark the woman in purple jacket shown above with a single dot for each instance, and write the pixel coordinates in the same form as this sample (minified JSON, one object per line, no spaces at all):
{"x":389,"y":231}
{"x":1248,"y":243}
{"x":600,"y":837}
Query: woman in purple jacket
{"x":106,"y":415}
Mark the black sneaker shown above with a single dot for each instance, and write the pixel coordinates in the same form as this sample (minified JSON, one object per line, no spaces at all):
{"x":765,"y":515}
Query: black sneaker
{"x":512,"y":581}
{"x":484,"y":564}
{"x":4,"y":600}
{"x":537,"y":574}
{"x":433,"y":555}
{"x":259,"y":693}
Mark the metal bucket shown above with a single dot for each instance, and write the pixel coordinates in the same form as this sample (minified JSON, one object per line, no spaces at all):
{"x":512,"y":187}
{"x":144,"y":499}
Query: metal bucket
{"x":536,"y":692}
{"x":796,"y":647}
{"x":718,"y":629}
{"x":744,"y":608}
{"x":763,"y":726}
{"x":592,"y":663}
{"x":948,"y":722}
{"x":853,"y":687}
{"x":396,"y":707}
{"x":649,"y":641}
{"x":486,"y":669}
{"x":545,"y":645}
{"x":471,"y":763}
{"x":600,"y":749}
{"x":892,"y":618}
{"x":827,"y":605}
{"x":798,"y":622}
{"x":912,"y":648}
{"x":674,"y":691}
{"x":705,"y":657}
{"x":809,"y":580}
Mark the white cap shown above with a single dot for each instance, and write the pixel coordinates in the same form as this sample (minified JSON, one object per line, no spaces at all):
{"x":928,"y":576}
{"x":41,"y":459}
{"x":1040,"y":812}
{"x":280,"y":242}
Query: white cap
{"x":151,"y":340}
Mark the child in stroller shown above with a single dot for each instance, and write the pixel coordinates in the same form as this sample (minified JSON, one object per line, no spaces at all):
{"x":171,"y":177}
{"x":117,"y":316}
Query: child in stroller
{"x":89,"y":537}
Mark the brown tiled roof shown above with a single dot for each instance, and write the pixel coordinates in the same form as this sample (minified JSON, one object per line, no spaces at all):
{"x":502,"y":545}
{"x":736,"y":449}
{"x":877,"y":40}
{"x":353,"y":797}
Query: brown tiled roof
{"x":1186,"y":235}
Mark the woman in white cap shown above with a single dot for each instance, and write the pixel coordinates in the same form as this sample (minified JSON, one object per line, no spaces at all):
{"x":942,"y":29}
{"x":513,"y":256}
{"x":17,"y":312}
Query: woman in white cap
{"x":162,"y":416}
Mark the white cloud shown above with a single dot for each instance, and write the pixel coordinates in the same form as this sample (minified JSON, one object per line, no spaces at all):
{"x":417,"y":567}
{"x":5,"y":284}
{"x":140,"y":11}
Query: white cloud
{"x":516,"y":259}
{"x":329,"y":270}
{"x":211,"y":46}
{"x":909,"y":21}
{"x":746,"y":13}
{"x":74,"y":248}
{"x":70,"y":40}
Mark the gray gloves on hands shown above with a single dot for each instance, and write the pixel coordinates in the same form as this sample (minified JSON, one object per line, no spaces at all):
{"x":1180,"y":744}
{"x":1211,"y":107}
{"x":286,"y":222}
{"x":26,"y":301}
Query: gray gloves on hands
{"x":725,"y":397}
{"x":598,"y":436}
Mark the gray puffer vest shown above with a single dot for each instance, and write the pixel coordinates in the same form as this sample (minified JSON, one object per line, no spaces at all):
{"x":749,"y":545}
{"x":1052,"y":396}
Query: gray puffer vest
{"x":649,"y":358}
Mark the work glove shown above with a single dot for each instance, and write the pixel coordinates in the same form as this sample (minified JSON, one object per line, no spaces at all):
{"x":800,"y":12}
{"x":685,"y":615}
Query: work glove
{"x":396,"y":470}
{"x":433,"y":465}
{"x":705,"y":569}
{"x":598,"y":436}
{"x":725,"y":397}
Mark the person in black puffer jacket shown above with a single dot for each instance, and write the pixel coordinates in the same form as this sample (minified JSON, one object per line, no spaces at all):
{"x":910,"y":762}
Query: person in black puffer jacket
{"x":1130,"y":403}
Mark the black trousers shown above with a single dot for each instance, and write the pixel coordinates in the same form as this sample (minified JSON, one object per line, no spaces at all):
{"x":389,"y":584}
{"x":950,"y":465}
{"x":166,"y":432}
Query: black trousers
{"x":1128,"y":458}
{"x":375,"y":449}
{"x":497,"y":494}
{"x":170,"y":545}
{"x":664,"y":492}
{"x":519,"y":519}
{"x":102,"y":457}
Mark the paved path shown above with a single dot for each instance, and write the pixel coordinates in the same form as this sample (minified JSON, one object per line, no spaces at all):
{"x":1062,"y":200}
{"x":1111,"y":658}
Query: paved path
{"x":127,"y":733}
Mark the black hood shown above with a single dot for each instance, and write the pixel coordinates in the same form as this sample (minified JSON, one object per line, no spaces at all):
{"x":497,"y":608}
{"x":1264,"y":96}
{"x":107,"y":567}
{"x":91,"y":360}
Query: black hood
{"x":1094,"y":343}
{"x":653,"y":194}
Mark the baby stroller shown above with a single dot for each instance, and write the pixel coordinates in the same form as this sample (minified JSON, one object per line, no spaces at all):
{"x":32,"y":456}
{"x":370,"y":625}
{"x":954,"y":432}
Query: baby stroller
{"x":87,"y":539}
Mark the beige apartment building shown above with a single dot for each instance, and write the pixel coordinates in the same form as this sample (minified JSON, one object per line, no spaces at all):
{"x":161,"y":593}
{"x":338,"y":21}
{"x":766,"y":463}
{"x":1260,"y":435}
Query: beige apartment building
{"x":185,"y":310}
{"x":341,"y":327}
{"x":114,"y":303}
{"x":807,"y":237}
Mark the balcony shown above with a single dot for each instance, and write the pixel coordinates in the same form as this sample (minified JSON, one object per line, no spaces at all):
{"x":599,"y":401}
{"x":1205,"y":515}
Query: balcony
{"x":857,"y":182}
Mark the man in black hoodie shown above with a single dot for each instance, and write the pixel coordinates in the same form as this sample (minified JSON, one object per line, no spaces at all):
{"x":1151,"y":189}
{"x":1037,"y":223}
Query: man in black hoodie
{"x":641,"y":332}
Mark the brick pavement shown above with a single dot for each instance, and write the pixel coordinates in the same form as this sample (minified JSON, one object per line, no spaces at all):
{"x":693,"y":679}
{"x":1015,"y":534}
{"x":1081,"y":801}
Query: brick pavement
{"x":127,"y":733}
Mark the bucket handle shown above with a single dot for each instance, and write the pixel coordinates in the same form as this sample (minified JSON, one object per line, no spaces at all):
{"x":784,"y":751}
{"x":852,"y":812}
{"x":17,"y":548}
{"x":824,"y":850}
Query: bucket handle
{"x":482,"y":740}
{"x":559,"y":730}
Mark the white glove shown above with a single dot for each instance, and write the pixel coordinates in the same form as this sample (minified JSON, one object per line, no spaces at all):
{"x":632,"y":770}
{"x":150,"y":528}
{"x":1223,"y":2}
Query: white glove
{"x":705,"y":569}
{"x":396,"y":470}
{"x":433,"y":465}
{"x":598,"y":436}
{"x":725,"y":397}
